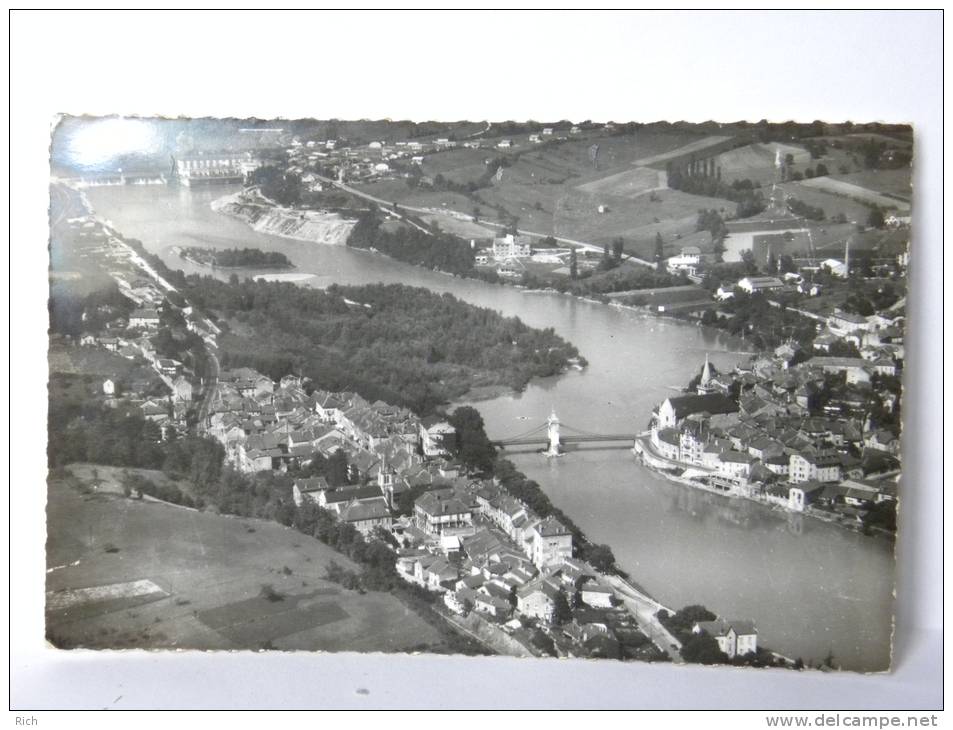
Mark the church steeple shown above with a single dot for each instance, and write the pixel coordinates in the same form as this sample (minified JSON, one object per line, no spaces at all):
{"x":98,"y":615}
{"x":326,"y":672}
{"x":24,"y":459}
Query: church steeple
{"x":706,"y":372}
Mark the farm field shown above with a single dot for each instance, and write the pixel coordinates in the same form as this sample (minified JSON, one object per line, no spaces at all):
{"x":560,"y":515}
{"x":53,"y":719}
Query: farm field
{"x":855,"y":192}
{"x":698,"y":146}
{"x":894,"y":141}
{"x":626,"y":184}
{"x":831,"y":204}
{"x":755,"y":162}
{"x":619,"y":152}
{"x":401,"y":193}
{"x":886,"y":182}
{"x":640,"y":218}
{"x":94,"y":362}
{"x":160,"y":576}
{"x":461,"y":228}
{"x":459,"y":165}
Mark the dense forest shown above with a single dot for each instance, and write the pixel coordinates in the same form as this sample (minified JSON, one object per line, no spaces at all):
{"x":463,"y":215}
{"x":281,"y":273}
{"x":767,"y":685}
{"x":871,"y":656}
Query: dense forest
{"x":412,"y":245}
{"x":403,"y":345}
{"x":237,"y":257}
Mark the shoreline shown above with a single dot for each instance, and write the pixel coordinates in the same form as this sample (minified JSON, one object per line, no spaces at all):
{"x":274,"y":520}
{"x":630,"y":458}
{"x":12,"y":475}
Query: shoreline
{"x":618,"y":575}
{"x":732,"y":497}
{"x":275,"y":216}
{"x":219,"y":204}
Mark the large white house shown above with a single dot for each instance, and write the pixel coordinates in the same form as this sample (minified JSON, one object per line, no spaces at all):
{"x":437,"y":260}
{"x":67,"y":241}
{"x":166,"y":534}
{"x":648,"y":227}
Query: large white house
{"x":687,"y":260}
{"x":551,"y":542}
{"x":735,"y":638}
{"x":510,"y":247}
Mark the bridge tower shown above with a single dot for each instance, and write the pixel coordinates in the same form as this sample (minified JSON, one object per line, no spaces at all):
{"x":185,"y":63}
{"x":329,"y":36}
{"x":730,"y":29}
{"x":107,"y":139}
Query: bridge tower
{"x":552,"y":430}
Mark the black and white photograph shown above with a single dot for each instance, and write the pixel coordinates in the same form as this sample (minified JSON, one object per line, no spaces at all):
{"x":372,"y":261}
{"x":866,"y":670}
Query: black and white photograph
{"x":507,"y":383}
{"x":624,"y":390}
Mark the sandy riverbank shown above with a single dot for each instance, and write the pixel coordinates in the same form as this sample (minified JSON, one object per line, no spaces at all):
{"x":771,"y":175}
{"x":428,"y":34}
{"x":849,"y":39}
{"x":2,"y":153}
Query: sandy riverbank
{"x":264,"y":216}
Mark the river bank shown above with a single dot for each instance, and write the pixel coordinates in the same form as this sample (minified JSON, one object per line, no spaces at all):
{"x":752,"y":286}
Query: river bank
{"x":265,"y":216}
{"x":757,"y":562}
{"x":665,"y":467}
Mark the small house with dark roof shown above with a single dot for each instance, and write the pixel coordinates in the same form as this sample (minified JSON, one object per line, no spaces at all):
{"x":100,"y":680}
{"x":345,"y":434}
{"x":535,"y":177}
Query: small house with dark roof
{"x":538,"y":599}
{"x":308,"y":489}
{"x":367,"y":515}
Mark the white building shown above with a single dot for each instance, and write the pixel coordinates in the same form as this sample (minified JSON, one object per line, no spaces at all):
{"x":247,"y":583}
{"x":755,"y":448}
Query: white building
{"x":510,"y":247}
{"x":687,"y":260}
{"x":735,"y":638}
{"x":759,"y":284}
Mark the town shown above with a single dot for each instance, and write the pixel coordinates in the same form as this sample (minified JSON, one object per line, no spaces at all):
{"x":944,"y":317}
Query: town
{"x":503,"y":573}
{"x":807,"y":432}
{"x":311,"y":410}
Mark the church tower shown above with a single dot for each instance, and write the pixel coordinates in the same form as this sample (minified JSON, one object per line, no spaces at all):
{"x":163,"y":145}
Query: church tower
{"x":704,"y":385}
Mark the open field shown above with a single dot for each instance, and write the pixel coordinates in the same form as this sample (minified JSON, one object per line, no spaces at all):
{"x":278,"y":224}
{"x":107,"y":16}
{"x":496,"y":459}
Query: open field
{"x":209,"y":572}
{"x":700,"y":147}
{"x":461,"y":228}
{"x":105,"y":479}
{"x":896,"y":183}
{"x":892,"y":141}
{"x":753,"y":162}
{"x":627,"y":184}
{"x":855,"y":192}
{"x":619,"y":152}
{"x":460,"y":165}
{"x":94,"y":361}
{"x":831,"y":204}
{"x":577,"y":216}
{"x":398,"y":191}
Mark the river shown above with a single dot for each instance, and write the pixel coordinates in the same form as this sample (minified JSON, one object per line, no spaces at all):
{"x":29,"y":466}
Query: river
{"x":811,"y":587}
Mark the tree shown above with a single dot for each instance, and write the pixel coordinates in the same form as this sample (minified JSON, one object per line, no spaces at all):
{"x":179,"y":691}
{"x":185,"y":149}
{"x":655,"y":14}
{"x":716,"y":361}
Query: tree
{"x":599,"y":556}
{"x":875,"y":219}
{"x":617,"y":248}
{"x":573,"y":265}
{"x":337,"y":472}
{"x":821,"y":170}
{"x":562,"y":611}
{"x":772,"y":263}
{"x":659,"y":252}
{"x":703,"y":649}
{"x":471,"y":444}
{"x":747,"y":256}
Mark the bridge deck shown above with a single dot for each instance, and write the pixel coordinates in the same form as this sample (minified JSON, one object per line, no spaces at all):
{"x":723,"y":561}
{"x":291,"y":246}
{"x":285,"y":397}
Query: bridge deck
{"x":568,"y":439}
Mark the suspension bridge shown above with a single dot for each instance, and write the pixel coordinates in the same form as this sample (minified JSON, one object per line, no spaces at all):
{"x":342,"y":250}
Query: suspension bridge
{"x":551,"y":434}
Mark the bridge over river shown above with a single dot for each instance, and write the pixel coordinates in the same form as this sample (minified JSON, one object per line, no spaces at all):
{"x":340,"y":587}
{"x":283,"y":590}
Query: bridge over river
{"x":549,"y":434}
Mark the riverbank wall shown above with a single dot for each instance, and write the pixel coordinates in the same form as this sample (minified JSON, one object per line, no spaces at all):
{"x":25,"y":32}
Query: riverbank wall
{"x":671,"y":471}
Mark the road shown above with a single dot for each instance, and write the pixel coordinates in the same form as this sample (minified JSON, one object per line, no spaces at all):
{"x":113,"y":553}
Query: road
{"x":482,"y":221}
{"x":211,"y":387}
{"x":644,"y":610}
